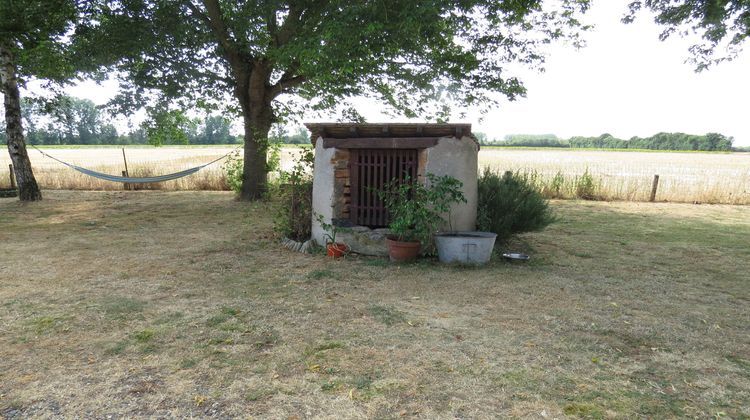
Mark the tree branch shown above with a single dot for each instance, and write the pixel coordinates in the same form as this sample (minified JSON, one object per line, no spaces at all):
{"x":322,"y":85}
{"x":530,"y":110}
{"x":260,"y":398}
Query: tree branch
{"x":289,"y":27}
{"x":197,"y":12}
{"x":219,"y":28}
{"x":285,"y":85}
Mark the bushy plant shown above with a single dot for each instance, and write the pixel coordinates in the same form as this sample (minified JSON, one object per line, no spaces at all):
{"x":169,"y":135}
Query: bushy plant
{"x":556,"y":186}
{"x":416,"y":210}
{"x":273,"y":163}
{"x":585,"y":186}
{"x":233,"y":170}
{"x":293,"y":217}
{"x":509,"y":205}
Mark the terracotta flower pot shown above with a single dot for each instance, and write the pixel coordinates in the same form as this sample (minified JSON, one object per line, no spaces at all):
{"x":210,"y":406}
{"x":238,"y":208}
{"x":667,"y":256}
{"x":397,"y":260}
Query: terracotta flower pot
{"x":400,"y":251}
{"x":336,"y":250}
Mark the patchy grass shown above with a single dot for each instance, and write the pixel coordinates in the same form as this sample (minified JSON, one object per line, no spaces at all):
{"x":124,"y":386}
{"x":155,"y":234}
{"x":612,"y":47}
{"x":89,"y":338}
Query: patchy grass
{"x":156,"y":304}
{"x":387,"y":315}
{"x":121,"y":307}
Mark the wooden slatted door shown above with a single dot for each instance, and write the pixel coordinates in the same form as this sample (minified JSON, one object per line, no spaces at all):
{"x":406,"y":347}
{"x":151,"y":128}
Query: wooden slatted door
{"x":370,"y":170}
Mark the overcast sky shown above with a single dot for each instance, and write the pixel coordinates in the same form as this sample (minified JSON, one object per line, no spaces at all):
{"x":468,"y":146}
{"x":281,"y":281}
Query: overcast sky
{"x":624,"y":82}
{"x":628,"y":83}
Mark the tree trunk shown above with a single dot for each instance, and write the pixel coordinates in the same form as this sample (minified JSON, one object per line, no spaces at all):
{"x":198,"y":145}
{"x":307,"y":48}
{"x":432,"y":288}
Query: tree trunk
{"x":28,"y":190}
{"x":257,"y":112}
{"x":254,"y":172}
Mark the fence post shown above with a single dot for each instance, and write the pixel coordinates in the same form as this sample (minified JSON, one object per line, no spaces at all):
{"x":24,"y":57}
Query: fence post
{"x":12,"y":177}
{"x":654,"y":187}
{"x":125,"y":185}
{"x":126,"y":161}
{"x":125,"y":172}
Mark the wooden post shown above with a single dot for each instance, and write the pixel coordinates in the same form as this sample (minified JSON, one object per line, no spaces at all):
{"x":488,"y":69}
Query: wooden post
{"x":12,"y":177}
{"x":125,"y":160}
{"x":125,"y":185}
{"x":654,"y":186}
{"x":125,"y":172}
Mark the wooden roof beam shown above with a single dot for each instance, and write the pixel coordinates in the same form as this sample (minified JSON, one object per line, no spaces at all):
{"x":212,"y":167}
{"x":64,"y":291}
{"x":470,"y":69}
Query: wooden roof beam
{"x":381,"y":142}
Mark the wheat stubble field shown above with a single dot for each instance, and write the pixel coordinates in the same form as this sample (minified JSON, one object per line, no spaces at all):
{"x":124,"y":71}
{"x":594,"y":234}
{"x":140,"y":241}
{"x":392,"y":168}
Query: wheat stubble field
{"x":615,"y":175}
{"x":147,"y":304}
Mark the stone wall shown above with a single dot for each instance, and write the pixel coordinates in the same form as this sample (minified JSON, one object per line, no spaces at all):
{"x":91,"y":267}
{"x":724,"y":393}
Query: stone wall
{"x":323,"y":190}
{"x":341,"y":188}
{"x":457,"y":158}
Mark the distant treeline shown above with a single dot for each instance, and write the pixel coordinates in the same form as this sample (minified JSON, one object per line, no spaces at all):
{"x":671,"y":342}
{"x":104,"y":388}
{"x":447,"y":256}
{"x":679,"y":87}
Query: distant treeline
{"x":660,"y":141}
{"x":71,"y":120}
{"x":75,"y":121}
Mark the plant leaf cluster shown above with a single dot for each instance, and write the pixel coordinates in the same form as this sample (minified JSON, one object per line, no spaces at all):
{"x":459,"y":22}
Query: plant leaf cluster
{"x":293,"y":215}
{"x":720,"y":23}
{"x":416,"y":210}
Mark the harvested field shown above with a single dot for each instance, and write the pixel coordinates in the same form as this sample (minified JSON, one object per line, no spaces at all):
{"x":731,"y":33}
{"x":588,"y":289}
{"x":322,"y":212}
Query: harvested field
{"x":558,"y":173}
{"x":155,"y":304}
{"x":627,"y":175}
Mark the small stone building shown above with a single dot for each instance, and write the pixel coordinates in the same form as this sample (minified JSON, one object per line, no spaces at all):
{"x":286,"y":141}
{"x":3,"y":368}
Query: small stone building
{"x":353,"y":161}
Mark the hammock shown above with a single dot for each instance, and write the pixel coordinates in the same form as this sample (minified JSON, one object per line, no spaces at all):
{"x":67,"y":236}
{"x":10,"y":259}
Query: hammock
{"x":133,"y":180}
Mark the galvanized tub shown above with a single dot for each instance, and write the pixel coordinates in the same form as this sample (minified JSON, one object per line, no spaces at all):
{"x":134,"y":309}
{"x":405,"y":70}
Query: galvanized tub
{"x":465,"y":247}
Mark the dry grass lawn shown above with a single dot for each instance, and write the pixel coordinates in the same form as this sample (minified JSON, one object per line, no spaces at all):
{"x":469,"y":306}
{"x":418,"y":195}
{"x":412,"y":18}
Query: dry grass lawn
{"x":153,"y":304}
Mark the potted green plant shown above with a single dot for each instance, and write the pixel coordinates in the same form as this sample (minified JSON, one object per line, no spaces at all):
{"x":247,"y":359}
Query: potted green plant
{"x":415,"y":211}
{"x":333,"y":249}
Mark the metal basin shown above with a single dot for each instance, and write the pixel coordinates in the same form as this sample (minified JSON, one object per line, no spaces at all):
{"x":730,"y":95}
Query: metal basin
{"x":465,"y":247}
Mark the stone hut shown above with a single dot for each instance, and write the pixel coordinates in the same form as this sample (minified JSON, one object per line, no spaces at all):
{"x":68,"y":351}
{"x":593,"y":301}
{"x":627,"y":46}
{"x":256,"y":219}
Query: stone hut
{"x":353,"y":160}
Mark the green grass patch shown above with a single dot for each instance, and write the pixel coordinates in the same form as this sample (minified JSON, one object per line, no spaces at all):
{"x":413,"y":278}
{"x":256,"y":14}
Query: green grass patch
{"x":259,"y":394}
{"x":328,"y":345}
{"x":387,"y":315}
{"x":743,"y":364}
{"x":119,"y":308}
{"x":118,"y":348}
{"x":144,"y":336}
{"x":188,"y":363}
{"x":376,"y":262}
{"x":321,"y":274}
{"x":583,"y":410}
{"x":330,"y":386}
{"x":43,"y":324}
{"x":224,"y":315}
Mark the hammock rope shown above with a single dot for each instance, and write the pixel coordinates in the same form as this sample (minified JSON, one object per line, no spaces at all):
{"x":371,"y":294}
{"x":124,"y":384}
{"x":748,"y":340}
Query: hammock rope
{"x":134,"y":180}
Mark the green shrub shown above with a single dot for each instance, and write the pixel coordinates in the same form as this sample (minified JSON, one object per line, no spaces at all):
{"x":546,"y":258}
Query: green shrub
{"x":293,"y":217}
{"x":509,"y":204}
{"x":233,"y":170}
{"x":416,"y":210}
{"x":273,"y":163}
{"x":585,"y":186}
{"x":556,"y":187}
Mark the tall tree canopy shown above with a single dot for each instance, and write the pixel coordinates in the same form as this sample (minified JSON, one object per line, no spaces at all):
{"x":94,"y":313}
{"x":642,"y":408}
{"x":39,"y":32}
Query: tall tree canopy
{"x":418,"y":56}
{"x":721,"y":24}
{"x":31,"y":46}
